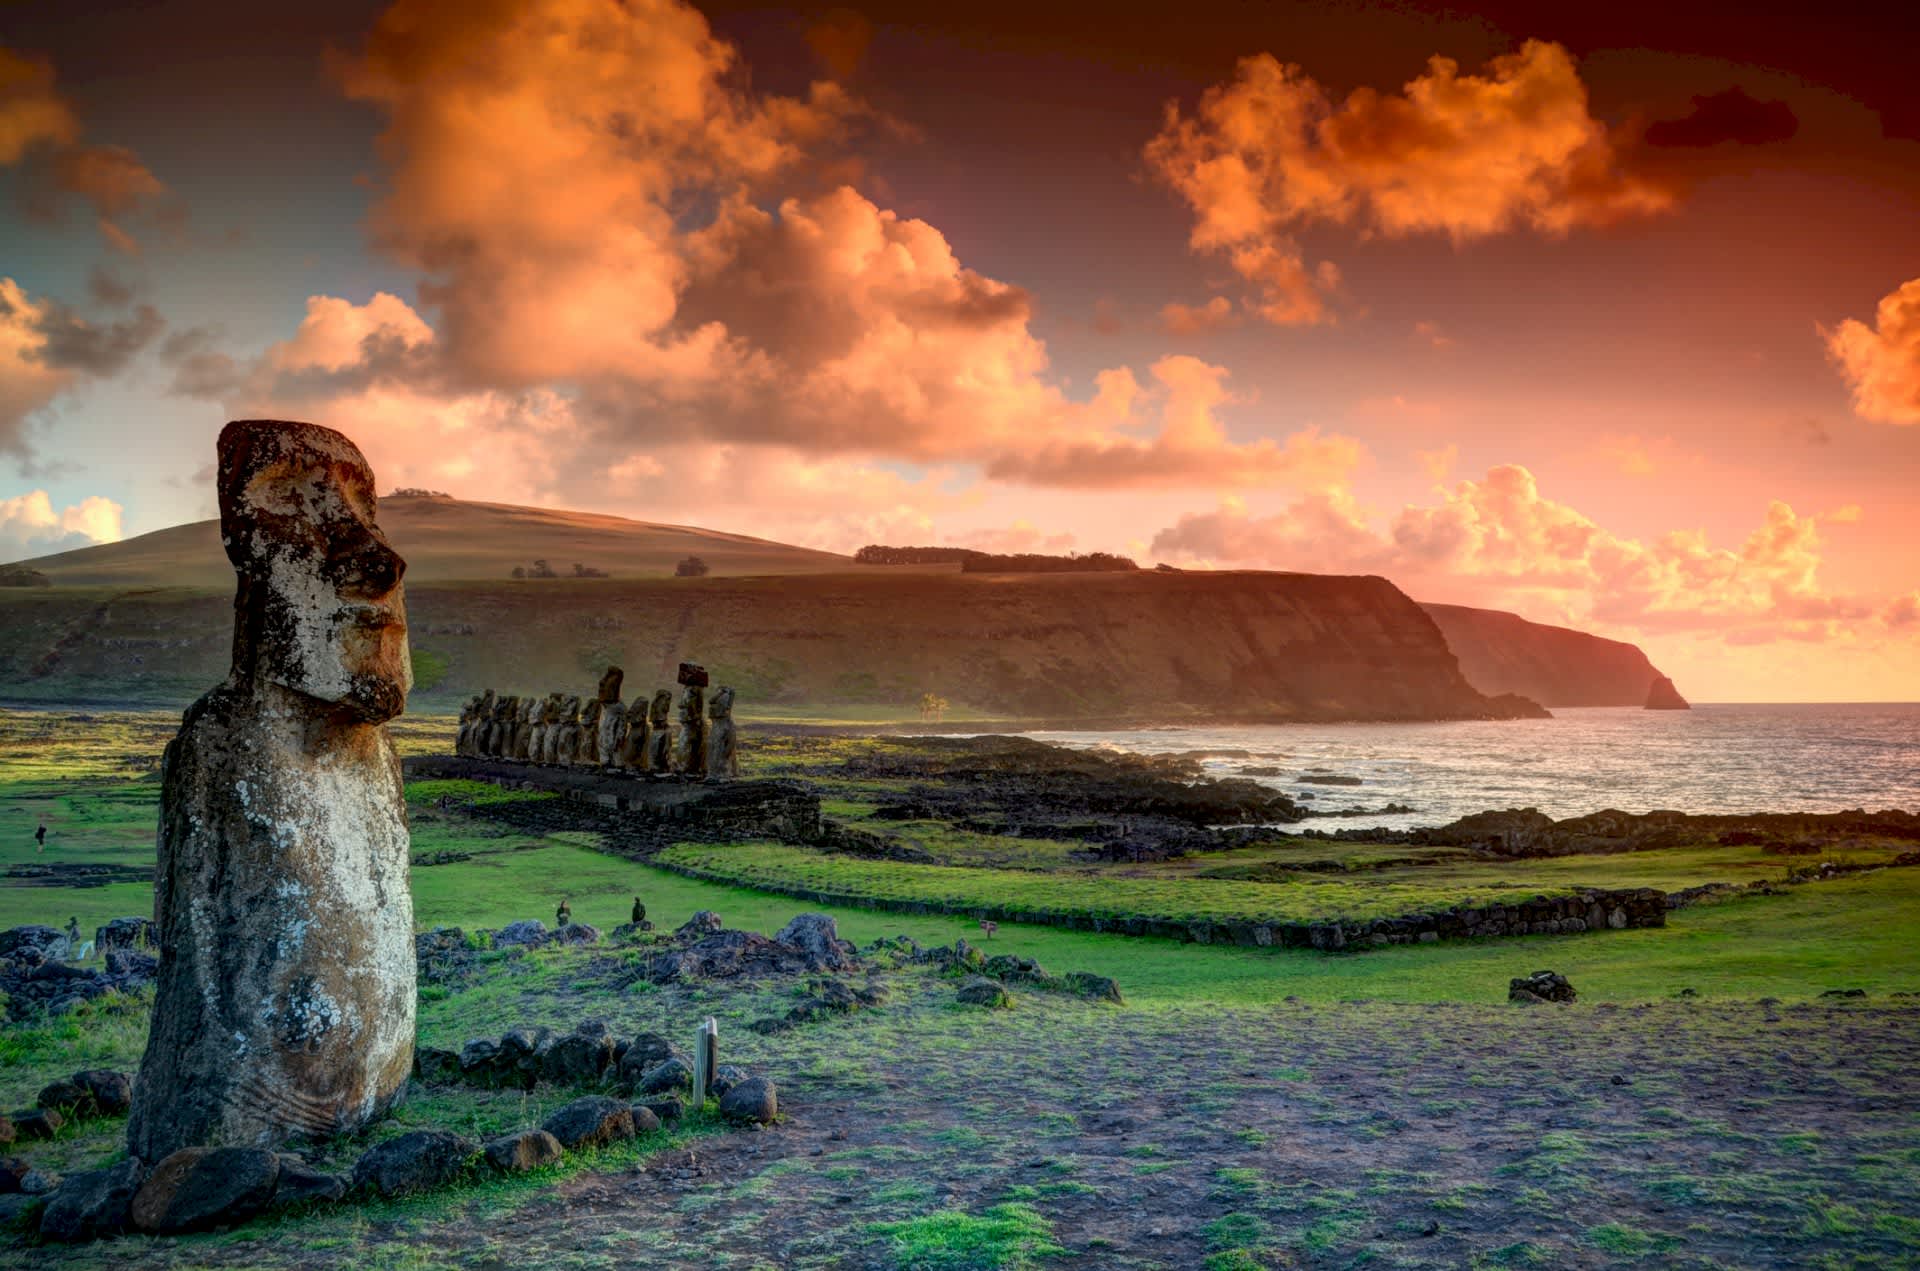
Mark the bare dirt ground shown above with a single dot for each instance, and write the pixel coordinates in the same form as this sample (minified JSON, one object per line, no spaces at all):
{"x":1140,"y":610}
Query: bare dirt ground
{"x":1678,"y":1134}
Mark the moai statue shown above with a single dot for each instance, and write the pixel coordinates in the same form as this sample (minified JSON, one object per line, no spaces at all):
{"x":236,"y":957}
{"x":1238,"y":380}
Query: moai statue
{"x":587,"y":752}
{"x":723,"y":754}
{"x":613,"y":735}
{"x":610,"y":682}
{"x":566,"y":737}
{"x":499,"y":742}
{"x":660,"y":732}
{"x":474,"y":721}
{"x":546,"y":729}
{"x":521,"y":746}
{"x":690,"y":747}
{"x":486,"y":719}
{"x":285,"y":998}
{"x":463,"y":733}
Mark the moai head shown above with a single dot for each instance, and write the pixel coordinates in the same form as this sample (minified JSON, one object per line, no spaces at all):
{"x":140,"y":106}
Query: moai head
{"x":572,"y":710}
{"x":610,"y":684}
{"x":486,"y":704}
{"x":721,"y":707}
{"x":320,"y":609}
{"x":660,"y":710}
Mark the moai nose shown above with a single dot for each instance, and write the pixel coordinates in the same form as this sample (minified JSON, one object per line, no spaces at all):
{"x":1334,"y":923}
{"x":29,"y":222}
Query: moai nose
{"x":366,"y":563}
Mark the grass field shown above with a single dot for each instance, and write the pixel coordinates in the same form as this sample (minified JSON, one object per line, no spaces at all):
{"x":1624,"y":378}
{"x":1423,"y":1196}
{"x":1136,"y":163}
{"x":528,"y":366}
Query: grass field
{"x":1246,"y":1108}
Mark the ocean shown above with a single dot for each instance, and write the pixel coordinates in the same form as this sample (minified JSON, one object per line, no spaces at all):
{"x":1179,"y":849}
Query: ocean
{"x":1725,"y":758}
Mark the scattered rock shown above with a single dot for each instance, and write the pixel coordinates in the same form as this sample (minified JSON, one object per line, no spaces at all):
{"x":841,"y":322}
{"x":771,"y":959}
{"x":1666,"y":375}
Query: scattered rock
{"x":518,"y":1153}
{"x":726,"y":1077}
{"x":704,"y":923}
{"x":200,"y":1188}
{"x":39,"y":1182}
{"x":591,"y":1122}
{"x":302,"y":1184}
{"x":981,"y":991}
{"x":673,"y":1074}
{"x":528,"y":931}
{"x":642,"y":1055}
{"x":37,"y":1123}
{"x":12,"y":1170}
{"x":418,"y":1161}
{"x":645,"y":1119}
{"x":1844,"y":993}
{"x":1099,"y":987}
{"x":576,"y":933}
{"x":578,"y":1059}
{"x":69,"y":1098}
{"x":668,"y":1110}
{"x":1542,"y":986}
{"x":817,"y":937}
{"x":93,"y":1204}
{"x":112,"y":1092}
{"x":436,"y":1067}
{"x":753,"y":1100}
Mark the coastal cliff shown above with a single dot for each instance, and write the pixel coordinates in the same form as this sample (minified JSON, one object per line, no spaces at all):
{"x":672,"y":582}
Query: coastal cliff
{"x":803,"y":633}
{"x":1556,"y":666}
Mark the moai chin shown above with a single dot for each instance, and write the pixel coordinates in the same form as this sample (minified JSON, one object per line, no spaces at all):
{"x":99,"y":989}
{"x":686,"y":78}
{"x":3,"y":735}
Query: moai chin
{"x":285,"y":1001}
{"x":723,"y":741}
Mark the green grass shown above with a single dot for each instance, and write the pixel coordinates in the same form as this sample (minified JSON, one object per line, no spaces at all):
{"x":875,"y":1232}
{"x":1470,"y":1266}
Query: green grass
{"x":1091,"y":893}
{"x":1006,"y":1237}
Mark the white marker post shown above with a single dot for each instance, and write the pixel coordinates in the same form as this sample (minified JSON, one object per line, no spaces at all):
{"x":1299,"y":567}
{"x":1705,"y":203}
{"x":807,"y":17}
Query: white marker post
{"x":706,"y":1057}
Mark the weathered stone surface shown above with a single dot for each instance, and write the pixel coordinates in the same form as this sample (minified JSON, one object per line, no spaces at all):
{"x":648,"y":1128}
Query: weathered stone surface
{"x":42,"y":1182}
{"x":302,"y":1184}
{"x":668,"y":1110}
{"x":12,"y":1170}
{"x":528,"y":931}
{"x":69,"y":1098}
{"x":111,"y":1092}
{"x":414,"y":1162}
{"x":703,"y":923}
{"x":752,"y":1100}
{"x":199,"y":1188}
{"x":578,"y":1059}
{"x":435,"y":1066}
{"x":92,"y":1204}
{"x":518,"y":1153}
{"x":980,"y":991}
{"x":645,"y":1119}
{"x":660,"y":733}
{"x":613,"y":735}
{"x":817,"y":936}
{"x":672,"y":1074}
{"x":611,"y":681}
{"x":577,"y":933}
{"x":723,"y":737}
{"x":123,"y":933}
{"x":591,"y":1122}
{"x":643,"y":1054}
{"x":1541,"y":986}
{"x":37,"y":1123}
{"x":690,"y":746}
{"x":286,"y":992}
{"x":1087,"y":984}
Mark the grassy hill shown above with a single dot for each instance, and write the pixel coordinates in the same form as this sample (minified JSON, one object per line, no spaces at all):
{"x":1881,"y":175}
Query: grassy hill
{"x":446,"y":540}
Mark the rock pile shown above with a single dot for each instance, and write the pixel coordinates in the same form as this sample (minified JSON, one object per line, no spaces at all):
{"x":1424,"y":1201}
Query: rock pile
{"x":1541,"y":986}
{"x":33,"y":981}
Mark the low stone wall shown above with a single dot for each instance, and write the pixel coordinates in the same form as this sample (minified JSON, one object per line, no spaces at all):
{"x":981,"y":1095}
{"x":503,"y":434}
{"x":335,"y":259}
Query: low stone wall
{"x":1586,"y":910}
{"x":635,"y":814}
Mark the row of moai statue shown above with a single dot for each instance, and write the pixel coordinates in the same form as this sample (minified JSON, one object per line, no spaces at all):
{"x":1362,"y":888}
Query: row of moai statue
{"x":607,"y":733}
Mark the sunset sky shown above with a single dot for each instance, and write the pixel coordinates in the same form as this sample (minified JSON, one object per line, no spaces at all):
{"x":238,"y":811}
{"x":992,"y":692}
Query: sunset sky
{"x":1607,"y":315}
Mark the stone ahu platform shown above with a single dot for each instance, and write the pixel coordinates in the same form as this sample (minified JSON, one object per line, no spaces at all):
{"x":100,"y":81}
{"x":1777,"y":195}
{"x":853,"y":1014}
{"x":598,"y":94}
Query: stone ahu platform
{"x":635,"y":814}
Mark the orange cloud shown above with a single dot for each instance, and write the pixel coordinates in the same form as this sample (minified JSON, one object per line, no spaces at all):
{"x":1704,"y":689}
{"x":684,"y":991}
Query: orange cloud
{"x":27,"y":380}
{"x":31,"y":112}
{"x":1500,"y":541}
{"x":601,"y":210}
{"x":1270,"y":152}
{"x":1881,"y":363}
{"x":1180,"y":319}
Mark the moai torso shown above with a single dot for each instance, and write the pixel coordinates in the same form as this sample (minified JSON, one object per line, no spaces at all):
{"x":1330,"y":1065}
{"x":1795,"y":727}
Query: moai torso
{"x":613,"y":735}
{"x":723,"y":759}
{"x":690,"y":748}
{"x":660,"y":733}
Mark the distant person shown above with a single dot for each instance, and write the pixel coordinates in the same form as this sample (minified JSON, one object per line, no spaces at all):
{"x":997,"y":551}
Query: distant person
{"x":563,"y":915}
{"x":639,"y":912}
{"x":40,"y":838}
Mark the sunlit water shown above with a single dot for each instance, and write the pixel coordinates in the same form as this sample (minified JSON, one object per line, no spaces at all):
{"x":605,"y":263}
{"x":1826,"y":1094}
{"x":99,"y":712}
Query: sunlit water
{"x":1750,"y":758}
